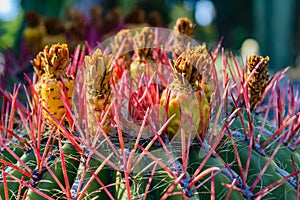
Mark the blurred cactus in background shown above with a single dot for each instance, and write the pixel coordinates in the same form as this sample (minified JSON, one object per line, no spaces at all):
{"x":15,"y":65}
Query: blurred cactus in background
{"x":55,"y":32}
{"x":34,"y":32}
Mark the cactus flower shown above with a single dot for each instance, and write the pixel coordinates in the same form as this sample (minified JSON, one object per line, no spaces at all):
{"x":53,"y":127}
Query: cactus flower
{"x":259,"y":81}
{"x":187,"y":92}
{"x":50,"y":66}
{"x":99,"y":71}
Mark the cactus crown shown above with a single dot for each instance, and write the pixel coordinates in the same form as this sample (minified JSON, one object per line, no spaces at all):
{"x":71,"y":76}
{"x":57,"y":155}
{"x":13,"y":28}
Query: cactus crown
{"x":191,"y":64}
{"x":185,"y":26}
{"x":99,"y":70}
{"x":259,"y":81}
{"x":52,"y":62}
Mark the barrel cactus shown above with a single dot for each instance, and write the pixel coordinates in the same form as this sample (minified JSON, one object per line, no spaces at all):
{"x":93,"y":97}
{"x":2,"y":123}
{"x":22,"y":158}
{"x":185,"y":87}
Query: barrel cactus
{"x":194,"y":129}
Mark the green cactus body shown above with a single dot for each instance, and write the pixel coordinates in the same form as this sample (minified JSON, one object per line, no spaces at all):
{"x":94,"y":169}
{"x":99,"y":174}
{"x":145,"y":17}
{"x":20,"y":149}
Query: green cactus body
{"x":30,"y":161}
{"x":138,"y":180}
{"x":284,"y":155}
{"x":137,"y":187}
{"x":94,"y":190}
{"x":5,"y":155}
{"x":257,"y":163}
{"x":195,"y":159}
{"x":162,"y":181}
{"x":47,"y":184}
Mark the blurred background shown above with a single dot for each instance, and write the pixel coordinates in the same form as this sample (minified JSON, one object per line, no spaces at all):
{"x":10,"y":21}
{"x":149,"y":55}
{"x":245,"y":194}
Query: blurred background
{"x":266,"y":27}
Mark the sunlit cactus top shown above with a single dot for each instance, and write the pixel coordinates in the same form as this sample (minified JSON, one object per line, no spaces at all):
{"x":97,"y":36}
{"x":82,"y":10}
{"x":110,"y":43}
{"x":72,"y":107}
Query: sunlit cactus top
{"x":184,"y":26}
{"x":259,"y":81}
{"x":53,"y":61}
{"x":191,"y":63}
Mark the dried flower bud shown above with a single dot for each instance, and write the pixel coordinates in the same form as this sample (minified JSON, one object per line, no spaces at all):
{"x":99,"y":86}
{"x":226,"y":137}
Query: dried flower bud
{"x":53,"y":61}
{"x":99,"y":71}
{"x":122,"y":35}
{"x":184,"y":26}
{"x":126,"y":51}
{"x":143,"y":43}
{"x":191,"y":64}
{"x":191,"y":79}
{"x":259,"y":81}
{"x":50,"y":65}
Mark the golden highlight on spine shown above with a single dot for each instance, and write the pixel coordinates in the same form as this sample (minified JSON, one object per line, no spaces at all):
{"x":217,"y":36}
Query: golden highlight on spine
{"x":50,"y":66}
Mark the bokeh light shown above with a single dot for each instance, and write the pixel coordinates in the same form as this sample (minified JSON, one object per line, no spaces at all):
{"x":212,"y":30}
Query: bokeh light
{"x":249,"y":47}
{"x":204,"y":12}
{"x":9,"y":9}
